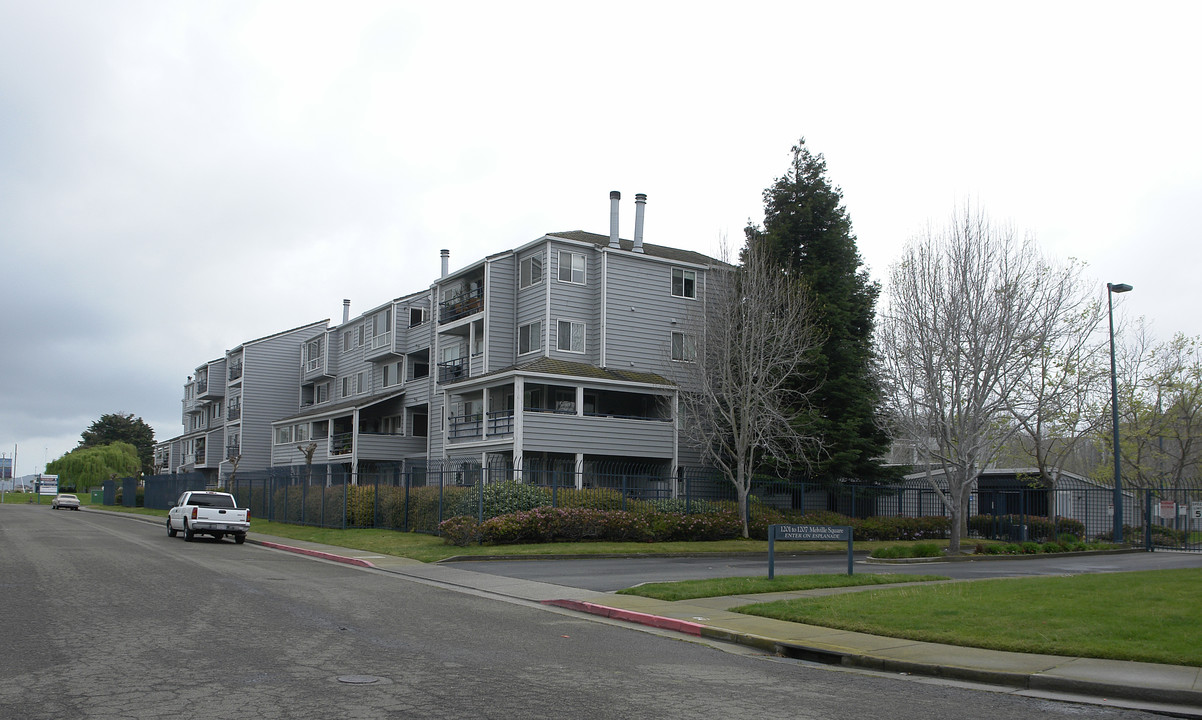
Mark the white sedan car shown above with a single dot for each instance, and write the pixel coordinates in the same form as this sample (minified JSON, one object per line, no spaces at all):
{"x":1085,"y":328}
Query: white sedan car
{"x":65,"y":501}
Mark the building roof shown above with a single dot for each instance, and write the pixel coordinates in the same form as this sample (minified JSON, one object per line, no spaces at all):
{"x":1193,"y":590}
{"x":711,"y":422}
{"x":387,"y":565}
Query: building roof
{"x":660,"y":251}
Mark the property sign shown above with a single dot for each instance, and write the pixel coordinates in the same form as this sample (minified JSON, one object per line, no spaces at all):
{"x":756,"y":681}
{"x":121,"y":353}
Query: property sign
{"x":1195,"y":510}
{"x":48,"y":485}
{"x":1168,"y":509}
{"x":813,"y":533}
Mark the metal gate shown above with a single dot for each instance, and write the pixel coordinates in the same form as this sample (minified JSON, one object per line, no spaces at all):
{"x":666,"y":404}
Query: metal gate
{"x":1173,"y":519}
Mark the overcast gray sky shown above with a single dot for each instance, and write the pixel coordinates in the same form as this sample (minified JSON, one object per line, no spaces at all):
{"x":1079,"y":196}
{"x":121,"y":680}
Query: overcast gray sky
{"x":180,"y":177}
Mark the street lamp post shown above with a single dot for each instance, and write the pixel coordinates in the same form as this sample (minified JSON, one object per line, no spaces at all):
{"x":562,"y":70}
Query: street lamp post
{"x":1112,"y":288}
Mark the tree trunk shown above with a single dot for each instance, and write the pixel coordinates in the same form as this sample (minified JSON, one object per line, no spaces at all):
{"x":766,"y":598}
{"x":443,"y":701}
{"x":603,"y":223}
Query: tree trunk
{"x":956,"y":489}
{"x":743,"y":487}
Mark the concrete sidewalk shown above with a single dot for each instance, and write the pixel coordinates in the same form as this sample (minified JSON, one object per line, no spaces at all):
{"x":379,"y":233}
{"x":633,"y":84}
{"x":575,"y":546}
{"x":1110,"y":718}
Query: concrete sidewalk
{"x":1164,"y":688}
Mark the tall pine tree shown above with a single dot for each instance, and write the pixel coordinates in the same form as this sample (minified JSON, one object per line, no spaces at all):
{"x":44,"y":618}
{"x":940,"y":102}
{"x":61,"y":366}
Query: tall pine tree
{"x":809,"y":233}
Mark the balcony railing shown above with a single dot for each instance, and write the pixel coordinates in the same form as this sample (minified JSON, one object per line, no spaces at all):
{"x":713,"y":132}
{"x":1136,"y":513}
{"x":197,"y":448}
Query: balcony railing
{"x":461,"y":305}
{"x":462,"y":427}
{"x":202,"y":387}
{"x":234,"y":413}
{"x":342,"y":443}
{"x":382,"y":340}
{"x":500,"y":422}
{"x":452,"y":370}
{"x":232,"y":451}
{"x":235,"y":371}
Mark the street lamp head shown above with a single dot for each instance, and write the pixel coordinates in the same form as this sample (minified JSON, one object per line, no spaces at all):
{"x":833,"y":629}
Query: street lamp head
{"x":1118,"y":287}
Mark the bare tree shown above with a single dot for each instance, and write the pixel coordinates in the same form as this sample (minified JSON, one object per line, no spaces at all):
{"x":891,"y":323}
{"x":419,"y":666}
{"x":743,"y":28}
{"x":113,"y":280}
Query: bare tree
{"x":308,"y":451}
{"x":739,"y":364}
{"x":1058,"y":401}
{"x":1160,"y":407}
{"x":971,"y":309}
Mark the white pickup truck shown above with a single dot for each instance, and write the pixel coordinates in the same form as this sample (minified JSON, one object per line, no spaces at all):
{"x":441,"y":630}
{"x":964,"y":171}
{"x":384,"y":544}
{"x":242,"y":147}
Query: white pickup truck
{"x":208,"y":513}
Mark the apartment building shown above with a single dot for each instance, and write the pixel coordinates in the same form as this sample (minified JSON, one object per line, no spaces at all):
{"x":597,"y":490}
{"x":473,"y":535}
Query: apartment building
{"x":559,"y":354}
{"x":229,"y":404}
{"x":555,"y":355}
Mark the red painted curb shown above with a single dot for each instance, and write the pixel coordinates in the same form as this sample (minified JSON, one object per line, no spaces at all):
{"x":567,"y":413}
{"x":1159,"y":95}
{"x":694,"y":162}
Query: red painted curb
{"x":319,"y":554}
{"x":657,"y":621}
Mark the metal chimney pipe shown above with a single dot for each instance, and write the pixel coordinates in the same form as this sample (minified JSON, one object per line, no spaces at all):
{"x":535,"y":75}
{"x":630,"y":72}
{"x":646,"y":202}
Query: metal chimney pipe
{"x":614,"y":197}
{"x":446,"y":262}
{"x":346,"y":311}
{"x":640,"y":204}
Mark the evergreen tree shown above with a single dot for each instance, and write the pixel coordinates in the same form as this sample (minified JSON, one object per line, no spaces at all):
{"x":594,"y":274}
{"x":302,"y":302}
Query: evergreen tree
{"x":809,"y":234}
{"x":122,"y":427}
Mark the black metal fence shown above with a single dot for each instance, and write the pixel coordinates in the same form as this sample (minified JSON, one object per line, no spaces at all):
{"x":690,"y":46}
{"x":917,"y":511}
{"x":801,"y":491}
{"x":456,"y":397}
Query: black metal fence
{"x":161,"y":491}
{"x":1173,"y":518}
{"x":420,"y":498}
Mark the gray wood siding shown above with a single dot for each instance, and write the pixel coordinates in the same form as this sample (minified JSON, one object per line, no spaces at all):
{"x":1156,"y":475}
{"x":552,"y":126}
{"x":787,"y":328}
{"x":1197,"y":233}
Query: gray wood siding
{"x":531,"y":306}
{"x":500,"y":308}
{"x":596,"y":435}
{"x":642,"y":339}
{"x":576,"y":303}
{"x":270,"y":388}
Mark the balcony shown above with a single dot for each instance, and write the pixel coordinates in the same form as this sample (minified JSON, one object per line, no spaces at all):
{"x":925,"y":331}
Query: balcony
{"x":461,"y":306}
{"x":467,"y":428}
{"x":452,"y":370}
{"x":232,"y":451}
{"x":208,"y":391}
{"x":234,"y":413}
{"x":342,"y":443}
{"x":235,"y":372}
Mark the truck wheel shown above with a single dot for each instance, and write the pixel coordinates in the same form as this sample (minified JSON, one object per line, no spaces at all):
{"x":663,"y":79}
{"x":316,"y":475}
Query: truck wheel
{"x":171,"y":532}
{"x":240,"y":538}
{"x":188,"y":534}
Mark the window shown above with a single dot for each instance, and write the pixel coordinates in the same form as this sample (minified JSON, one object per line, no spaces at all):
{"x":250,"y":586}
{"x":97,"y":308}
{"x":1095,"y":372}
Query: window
{"x":393,"y":425}
{"x":571,"y":267}
{"x":283,"y":435}
{"x":531,"y":271}
{"x":530,"y":337}
{"x":417,"y":316}
{"x":381,"y":329}
{"x":346,"y":387}
{"x":684,"y":283}
{"x":313,"y":355}
{"x":323,"y":392}
{"x":392,"y":373}
{"x":361,"y":382}
{"x":300,"y":433}
{"x":421,"y":367}
{"x":570,"y":336}
{"x":684,"y":347}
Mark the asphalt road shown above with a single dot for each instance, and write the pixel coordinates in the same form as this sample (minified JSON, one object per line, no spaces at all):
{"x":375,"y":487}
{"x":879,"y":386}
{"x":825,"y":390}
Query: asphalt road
{"x":609,"y":574}
{"x":106,"y":617}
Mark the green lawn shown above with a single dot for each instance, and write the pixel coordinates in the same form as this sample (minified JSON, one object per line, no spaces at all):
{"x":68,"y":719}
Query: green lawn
{"x":1147,"y":616}
{"x":689,"y":589}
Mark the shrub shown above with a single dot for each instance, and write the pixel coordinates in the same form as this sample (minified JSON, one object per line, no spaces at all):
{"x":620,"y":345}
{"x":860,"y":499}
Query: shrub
{"x":1030,"y":548}
{"x":460,"y":530}
{"x":680,"y":506}
{"x":501,"y":498}
{"x":926,"y":550}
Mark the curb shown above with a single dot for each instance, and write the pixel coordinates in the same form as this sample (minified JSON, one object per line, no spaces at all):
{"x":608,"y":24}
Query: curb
{"x":314,"y":553}
{"x":656,"y":621}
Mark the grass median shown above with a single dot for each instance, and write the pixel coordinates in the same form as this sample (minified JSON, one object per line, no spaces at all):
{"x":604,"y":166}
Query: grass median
{"x":1149,"y":616}
{"x":718,"y":587}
